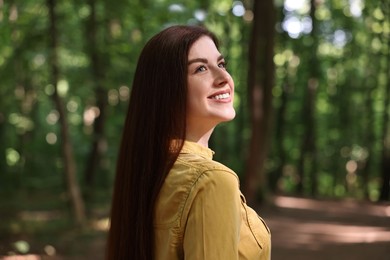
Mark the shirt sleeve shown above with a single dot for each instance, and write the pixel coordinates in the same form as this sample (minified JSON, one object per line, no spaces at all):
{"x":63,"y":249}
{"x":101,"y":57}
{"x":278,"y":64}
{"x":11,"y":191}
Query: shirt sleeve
{"x":213,"y":223}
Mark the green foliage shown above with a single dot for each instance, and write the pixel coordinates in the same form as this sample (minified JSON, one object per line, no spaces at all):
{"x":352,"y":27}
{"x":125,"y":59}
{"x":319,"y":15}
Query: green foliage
{"x":351,"y":49}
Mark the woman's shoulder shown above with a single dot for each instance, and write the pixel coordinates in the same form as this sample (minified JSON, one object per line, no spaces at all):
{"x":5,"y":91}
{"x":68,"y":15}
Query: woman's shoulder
{"x":190,"y":173}
{"x":198,"y":165}
{"x":187,"y":177}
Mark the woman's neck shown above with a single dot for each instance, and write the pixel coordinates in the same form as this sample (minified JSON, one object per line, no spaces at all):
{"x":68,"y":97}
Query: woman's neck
{"x":201,"y":138}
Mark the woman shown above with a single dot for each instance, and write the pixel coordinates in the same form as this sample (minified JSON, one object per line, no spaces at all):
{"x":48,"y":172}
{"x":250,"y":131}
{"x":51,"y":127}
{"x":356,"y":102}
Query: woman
{"x":171,"y":200}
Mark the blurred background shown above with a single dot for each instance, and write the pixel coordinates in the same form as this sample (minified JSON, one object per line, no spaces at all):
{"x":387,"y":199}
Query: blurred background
{"x":310,"y":143}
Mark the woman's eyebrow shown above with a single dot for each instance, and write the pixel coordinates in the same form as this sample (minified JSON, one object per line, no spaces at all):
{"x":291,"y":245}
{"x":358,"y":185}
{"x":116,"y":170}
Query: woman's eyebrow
{"x":221,"y":57}
{"x":197,"y":60}
{"x":203,"y":60}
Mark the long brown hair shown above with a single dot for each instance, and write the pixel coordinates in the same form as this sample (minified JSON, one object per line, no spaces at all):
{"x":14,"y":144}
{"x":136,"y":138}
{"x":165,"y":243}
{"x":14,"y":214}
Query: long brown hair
{"x":156,"y":115}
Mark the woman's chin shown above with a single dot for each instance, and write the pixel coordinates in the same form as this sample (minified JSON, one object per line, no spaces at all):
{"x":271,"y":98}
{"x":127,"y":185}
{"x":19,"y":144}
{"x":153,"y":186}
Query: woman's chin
{"x":229,"y":116}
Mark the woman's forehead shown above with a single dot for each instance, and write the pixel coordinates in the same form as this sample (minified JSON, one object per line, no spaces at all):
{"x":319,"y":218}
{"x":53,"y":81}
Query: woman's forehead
{"x":202,"y":48}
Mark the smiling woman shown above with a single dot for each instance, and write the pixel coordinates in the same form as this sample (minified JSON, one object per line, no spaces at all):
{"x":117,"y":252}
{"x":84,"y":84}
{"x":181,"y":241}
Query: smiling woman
{"x":171,"y":199}
{"x":210,"y":91}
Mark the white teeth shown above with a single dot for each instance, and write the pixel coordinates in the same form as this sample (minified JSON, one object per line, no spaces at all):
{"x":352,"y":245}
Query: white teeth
{"x":221,"y":96}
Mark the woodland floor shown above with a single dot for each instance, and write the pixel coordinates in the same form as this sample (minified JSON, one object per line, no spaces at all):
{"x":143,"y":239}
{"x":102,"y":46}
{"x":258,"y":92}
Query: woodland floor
{"x":301,"y":229}
{"x":305,"y":229}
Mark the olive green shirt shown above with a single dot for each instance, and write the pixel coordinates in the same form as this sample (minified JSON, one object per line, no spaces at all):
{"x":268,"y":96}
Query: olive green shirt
{"x":201,"y":213}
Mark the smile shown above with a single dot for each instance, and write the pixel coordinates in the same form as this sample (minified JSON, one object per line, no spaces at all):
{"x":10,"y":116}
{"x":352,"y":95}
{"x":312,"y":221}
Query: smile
{"x":221,"y":96}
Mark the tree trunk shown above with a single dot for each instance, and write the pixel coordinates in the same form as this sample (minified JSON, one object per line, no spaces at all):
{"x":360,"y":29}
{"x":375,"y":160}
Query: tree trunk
{"x":308,"y":159}
{"x":279,"y":138}
{"x":280,"y":122}
{"x":385,"y":189}
{"x":69,"y":162}
{"x":260,"y":83}
{"x":368,"y":137}
{"x":100,"y":94}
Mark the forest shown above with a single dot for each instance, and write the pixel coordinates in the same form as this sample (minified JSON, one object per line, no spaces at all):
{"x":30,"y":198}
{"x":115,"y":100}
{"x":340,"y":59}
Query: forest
{"x":312,"y":96}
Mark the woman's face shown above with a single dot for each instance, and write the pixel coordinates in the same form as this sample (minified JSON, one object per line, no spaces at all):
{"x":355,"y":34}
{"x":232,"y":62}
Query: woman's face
{"x":210,"y":87}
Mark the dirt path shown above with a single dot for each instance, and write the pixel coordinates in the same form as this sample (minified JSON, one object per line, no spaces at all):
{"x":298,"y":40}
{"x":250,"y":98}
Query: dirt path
{"x":324,"y":230}
{"x":302,"y":229}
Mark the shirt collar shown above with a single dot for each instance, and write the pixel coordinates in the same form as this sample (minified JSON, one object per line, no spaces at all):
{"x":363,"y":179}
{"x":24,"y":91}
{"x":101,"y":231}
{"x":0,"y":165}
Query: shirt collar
{"x":198,"y":149}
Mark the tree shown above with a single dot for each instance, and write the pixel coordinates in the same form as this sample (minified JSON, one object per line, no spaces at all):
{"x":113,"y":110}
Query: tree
{"x":260,"y":83}
{"x":307,"y":158}
{"x":385,"y":160}
{"x":67,"y":151}
{"x":98,"y":78}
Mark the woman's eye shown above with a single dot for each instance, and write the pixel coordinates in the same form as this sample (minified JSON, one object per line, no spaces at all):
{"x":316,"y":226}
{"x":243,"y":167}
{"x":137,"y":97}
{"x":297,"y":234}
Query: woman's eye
{"x":200,"y":69}
{"x":222,"y":64}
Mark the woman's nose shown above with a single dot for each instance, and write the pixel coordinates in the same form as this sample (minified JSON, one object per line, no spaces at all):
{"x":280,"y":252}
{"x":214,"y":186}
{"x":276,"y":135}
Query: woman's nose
{"x":221,"y":78}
